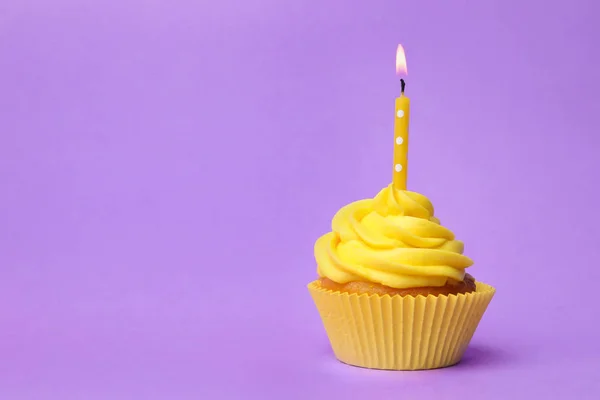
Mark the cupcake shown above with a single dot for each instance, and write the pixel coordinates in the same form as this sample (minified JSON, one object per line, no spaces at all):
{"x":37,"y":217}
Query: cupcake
{"x":392,"y":291}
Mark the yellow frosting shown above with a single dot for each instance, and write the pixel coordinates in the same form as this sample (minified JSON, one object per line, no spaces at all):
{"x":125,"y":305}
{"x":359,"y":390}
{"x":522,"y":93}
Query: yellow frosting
{"x":394,"y":240}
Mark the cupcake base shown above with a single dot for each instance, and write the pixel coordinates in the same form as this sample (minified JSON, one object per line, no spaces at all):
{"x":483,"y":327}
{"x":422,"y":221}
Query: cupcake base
{"x":400,"y":332}
{"x":467,"y":285}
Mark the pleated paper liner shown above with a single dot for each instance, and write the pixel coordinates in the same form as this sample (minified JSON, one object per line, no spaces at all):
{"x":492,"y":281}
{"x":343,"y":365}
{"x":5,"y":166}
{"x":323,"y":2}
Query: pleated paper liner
{"x":400,"y":332}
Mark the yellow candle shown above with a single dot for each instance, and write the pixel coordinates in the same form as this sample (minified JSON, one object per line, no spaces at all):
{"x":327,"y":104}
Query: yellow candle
{"x":402,"y":113}
{"x":401,"y":142}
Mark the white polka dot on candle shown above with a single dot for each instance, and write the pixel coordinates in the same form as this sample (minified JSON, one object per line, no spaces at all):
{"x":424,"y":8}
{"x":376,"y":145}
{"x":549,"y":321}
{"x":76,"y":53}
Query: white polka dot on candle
{"x":398,"y":167}
{"x":400,"y":113}
{"x":399,"y":140}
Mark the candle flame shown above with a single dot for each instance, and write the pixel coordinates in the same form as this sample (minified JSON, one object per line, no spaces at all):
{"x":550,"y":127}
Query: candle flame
{"x":401,"y":61}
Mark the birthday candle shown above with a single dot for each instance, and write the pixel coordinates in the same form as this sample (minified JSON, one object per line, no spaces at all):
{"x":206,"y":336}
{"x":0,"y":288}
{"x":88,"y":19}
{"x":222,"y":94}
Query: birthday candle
{"x":402,"y":113}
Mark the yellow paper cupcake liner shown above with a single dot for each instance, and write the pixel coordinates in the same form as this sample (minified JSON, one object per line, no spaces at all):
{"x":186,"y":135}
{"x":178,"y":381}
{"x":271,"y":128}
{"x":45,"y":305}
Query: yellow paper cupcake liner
{"x":400,"y":332}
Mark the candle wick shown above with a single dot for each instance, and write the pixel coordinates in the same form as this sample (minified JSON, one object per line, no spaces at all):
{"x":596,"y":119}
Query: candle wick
{"x":402,"y":86}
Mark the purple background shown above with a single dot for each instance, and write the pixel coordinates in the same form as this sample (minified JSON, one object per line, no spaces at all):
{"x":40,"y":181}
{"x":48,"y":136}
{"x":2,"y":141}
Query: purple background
{"x":167,"y":165}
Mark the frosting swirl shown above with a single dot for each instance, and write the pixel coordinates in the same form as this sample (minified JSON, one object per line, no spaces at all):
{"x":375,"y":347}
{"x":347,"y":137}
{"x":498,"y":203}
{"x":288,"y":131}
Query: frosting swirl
{"x":393,"y":239}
